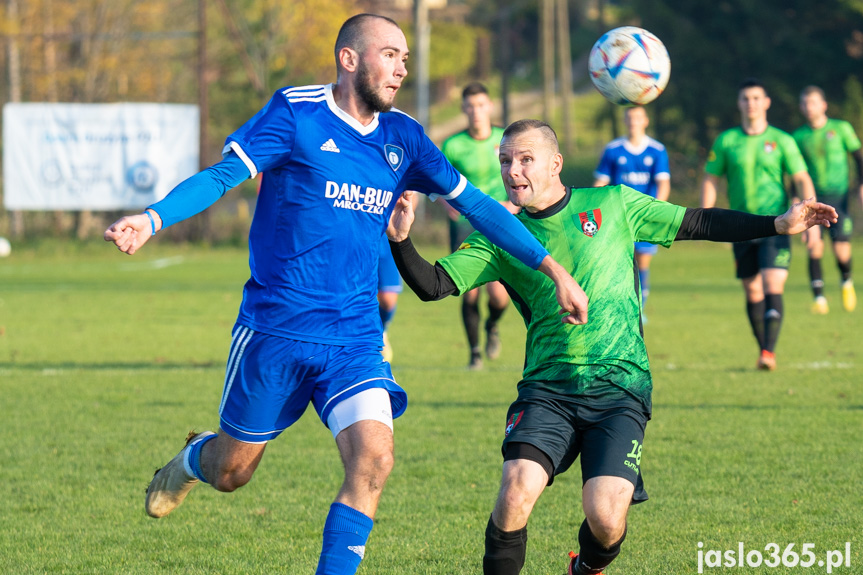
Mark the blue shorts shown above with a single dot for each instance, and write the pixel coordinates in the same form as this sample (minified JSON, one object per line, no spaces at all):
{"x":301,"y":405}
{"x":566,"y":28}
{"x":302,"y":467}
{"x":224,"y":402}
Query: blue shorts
{"x":646,"y":248}
{"x":389,"y":279}
{"x":270,"y":380}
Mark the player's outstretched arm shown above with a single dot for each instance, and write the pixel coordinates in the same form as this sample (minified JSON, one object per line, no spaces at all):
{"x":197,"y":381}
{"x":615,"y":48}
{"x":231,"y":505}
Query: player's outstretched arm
{"x":805,"y":215}
{"x":806,"y":189}
{"x":190,"y":197}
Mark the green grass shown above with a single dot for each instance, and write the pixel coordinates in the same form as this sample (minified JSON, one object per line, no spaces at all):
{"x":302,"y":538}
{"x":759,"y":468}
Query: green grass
{"x":107,"y":361}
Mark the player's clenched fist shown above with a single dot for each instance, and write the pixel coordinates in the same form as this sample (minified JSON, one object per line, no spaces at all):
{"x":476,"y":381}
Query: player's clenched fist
{"x":129,"y":233}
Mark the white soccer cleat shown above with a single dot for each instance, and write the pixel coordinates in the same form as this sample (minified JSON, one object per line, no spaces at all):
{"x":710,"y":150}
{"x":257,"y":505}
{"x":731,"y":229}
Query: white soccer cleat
{"x":820,"y":306}
{"x":171,"y":483}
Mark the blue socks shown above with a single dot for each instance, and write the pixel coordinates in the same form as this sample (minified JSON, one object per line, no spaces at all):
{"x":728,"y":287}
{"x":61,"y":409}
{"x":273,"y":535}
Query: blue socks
{"x":345,"y":534}
{"x":644,"y":280}
{"x":192,"y":460}
{"x":386,"y":316}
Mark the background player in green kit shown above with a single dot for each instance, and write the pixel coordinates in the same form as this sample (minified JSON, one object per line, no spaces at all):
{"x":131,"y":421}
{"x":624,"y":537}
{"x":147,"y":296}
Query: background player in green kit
{"x":754,"y":157}
{"x":585,"y":390}
{"x":825,"y":144}
{"x":473,"y":152}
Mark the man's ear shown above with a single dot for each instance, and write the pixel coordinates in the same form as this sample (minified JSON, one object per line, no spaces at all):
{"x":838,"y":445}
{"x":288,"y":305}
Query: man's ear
{"x":349,"y":59}
{"x":557,"y":164}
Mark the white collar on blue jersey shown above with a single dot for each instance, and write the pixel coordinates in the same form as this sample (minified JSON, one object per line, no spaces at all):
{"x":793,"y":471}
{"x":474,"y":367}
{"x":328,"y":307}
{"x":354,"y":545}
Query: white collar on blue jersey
{"x":347,"y":118}
{"x":627,"y":145}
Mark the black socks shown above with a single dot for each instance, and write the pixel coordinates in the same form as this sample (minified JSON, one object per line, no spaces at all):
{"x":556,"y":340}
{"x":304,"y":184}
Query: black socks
{"x":504,"y":550}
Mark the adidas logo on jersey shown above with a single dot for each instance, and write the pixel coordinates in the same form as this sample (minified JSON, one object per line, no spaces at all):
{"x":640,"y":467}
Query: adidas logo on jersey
{"x":330,"y":146}
{"x":358,"y":549}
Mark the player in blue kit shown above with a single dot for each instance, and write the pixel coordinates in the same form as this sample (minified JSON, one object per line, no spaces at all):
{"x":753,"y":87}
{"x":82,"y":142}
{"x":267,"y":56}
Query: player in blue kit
{"x":336,"y":157}
{"x":640,"y":162}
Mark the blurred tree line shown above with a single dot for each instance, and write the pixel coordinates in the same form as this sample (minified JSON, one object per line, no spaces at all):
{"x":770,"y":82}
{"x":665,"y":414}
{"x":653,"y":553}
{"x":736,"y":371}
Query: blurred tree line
{"x":135,"y":50}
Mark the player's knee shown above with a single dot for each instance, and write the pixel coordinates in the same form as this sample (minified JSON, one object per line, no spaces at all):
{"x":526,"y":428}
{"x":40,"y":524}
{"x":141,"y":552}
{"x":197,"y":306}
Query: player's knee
{"x":607,"y":528}
{"x":231,"y":479}
{"x":516,"y":501}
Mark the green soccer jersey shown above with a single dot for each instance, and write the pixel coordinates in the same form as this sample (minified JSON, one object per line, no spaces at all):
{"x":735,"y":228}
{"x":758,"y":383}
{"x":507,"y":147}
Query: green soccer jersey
{"x":478,"y":161}
{"x":754,"y":166}
{"x":590,"y":233}
{"x":826,"y":153}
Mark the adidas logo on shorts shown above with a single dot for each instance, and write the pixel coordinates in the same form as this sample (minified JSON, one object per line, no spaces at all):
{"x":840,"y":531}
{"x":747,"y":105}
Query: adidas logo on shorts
{"x":330,"y":146}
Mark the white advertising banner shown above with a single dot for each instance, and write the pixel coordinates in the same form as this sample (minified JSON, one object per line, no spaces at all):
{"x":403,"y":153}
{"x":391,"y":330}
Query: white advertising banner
{"x":95,"y":156}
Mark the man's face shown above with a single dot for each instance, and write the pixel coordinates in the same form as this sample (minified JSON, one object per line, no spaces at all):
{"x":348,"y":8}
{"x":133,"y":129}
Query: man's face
{"x":813,"y":106}
{"x":753,"y":103}
{"x":636,"y":121}
{"x":381,"y":66}
{"x":477,"y":108}
{"x":528,"y":165}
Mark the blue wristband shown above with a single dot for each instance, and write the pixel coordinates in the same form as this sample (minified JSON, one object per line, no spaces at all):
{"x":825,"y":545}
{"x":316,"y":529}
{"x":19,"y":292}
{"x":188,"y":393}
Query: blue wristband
{"x":152,"y":222}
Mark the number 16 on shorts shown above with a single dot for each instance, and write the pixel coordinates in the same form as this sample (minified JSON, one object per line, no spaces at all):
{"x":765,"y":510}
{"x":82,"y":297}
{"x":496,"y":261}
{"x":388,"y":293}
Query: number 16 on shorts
{"x":772,"y":556}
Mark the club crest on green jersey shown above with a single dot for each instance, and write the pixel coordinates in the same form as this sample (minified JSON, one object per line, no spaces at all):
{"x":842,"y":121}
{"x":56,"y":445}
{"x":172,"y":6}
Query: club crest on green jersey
{"x":769,"y":147}
{"x":514,"y":420}
{"x":590,"y":221}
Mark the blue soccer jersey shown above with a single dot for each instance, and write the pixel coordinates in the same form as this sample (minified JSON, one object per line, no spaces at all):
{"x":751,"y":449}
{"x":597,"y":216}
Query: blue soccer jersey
{"x":330,"y":186}
{"x":638,"y":168}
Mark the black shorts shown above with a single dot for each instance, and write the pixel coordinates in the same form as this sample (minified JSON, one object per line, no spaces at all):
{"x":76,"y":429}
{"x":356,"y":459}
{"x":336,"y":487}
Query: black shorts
{"x":608,"y":440}
{"x":458,"y":233}
{"x":841,"y":230}
{"x":765,"y":253}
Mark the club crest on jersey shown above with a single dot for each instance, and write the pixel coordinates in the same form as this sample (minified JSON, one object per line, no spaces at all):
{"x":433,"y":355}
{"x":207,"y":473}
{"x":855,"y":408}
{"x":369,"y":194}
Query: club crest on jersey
{"x":514,"y":420}
{"x":769,"y":147}
{"x":831,"y":134}
{"x":395,"y":155}
{"x":590,"y":222}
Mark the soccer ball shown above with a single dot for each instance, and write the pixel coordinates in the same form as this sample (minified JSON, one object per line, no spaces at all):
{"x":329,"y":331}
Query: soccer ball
{"x":5,"y":247}
{"x":629,"y":66}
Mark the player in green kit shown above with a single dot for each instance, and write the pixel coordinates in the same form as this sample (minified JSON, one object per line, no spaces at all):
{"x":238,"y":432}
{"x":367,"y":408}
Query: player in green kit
{"x":586,"y":389}
{"x":754,"y":157}
{"x":473,"y":152}
{"x":825,"y":144}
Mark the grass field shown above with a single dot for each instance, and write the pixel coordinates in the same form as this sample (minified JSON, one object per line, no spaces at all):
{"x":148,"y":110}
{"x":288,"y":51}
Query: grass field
{"x":107,"y":361}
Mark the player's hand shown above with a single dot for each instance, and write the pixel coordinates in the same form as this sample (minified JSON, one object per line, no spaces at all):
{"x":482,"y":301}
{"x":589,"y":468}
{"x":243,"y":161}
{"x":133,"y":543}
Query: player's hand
{"x":129,"y":233}
{"x":402,"y":218}
{"x":806,"y":215}
{"x":570,"y":297}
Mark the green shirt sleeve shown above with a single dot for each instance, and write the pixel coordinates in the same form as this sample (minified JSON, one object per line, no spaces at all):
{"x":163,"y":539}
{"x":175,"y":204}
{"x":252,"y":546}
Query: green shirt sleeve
{"x":651,"y":220}
{"x":476,"y":263}
{"x":852,"y":142}
{"x":791,"y":156}
{"x":716,"y":158}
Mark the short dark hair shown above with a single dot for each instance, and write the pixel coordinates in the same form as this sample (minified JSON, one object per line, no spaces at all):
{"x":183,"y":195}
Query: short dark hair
{"x":752,"y":83}
{"x":812,"y":90}
{"x":473,"y":89}
{"x":522,"y":126}
{"x":351,"y":34}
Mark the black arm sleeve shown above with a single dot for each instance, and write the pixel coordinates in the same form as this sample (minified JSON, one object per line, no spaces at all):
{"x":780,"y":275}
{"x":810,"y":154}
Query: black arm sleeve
{"x":429,"y":282}
{"x":858,"y":159}
{"x":718,"y":225}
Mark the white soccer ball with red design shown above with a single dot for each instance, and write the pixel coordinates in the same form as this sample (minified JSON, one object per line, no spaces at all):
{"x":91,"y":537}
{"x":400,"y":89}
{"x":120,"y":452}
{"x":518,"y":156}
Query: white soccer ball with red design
{"x":629,"y":66}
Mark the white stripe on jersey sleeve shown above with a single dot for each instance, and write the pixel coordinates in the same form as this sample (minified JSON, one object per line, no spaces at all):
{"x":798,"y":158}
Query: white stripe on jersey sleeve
{"x":235,"y":147}
{"x":462,"y":184}
{"x":662,"y":176}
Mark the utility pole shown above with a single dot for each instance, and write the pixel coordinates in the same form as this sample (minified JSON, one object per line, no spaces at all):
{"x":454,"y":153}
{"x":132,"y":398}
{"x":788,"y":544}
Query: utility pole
{"x":422,"y":33}
{"x":564,"y":58}
{"x":504,"y":52}
{"x":203,"y":105}
{"x":17,"y":223}
{"x":547,"y":50}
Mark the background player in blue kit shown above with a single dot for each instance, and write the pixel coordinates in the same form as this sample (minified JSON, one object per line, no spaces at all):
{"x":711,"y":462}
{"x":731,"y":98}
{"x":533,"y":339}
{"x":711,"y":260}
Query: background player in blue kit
{"x":308,"y":329}
{"x":640,"y":162}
